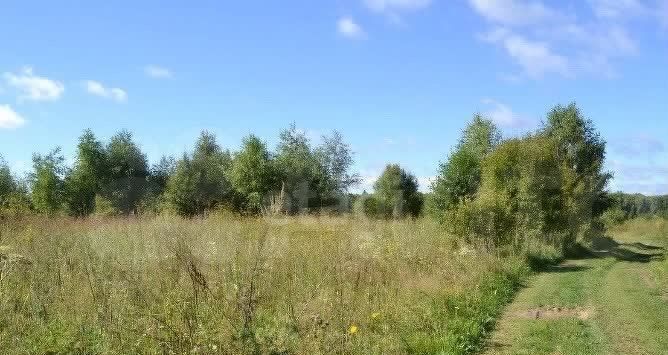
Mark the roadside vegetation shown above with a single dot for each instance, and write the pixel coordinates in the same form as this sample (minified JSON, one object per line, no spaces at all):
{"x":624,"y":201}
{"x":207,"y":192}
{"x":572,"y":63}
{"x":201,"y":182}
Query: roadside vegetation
{"x":268,"y":251}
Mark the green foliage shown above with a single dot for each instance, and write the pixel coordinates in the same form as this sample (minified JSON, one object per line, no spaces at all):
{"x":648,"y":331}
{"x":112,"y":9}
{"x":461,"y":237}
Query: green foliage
{"x":252,"y":173}
{"x":630,"y":206}
{"x":46,"y":182}
{"x":546,"y":187}
{"x":459,"y":178}
{"x":88,"y":176}
{"x":7,"y":183}
{"x":128,"y":173}
{"x":14,"y":199}
{"x":520,"y":196}
{"x":581,"y":152}
{"x":335,"y":161}
{"x":104,"y":207}
{"x":396,"y":193}
{"x":200,"y":182}
{"x":298,"y":169}
{"x":366,"y":205}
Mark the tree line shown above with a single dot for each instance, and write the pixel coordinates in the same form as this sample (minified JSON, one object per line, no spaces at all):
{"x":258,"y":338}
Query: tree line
{"x":628,"y":206}
{"x":548,"y":184}
{"x":116,"y":179}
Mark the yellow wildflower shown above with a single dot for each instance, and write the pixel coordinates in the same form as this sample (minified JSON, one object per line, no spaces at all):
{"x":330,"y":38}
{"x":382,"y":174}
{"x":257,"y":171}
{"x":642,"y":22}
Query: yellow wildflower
{"x":353,"y":329}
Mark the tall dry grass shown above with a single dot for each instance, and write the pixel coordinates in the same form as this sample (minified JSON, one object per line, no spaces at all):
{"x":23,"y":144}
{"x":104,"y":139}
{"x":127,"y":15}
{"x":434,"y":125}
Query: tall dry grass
{"x":259,"y":286}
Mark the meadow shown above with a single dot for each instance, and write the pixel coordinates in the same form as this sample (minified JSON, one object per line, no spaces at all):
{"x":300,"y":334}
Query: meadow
{"x":228,"y":285}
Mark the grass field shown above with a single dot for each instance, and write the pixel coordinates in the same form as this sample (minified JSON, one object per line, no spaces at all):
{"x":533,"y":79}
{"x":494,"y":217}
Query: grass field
{"x":224,"y":285}
{"x":612,"y":301}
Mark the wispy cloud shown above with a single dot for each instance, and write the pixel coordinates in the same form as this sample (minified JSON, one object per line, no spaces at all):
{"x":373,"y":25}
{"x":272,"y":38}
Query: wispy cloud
{"x":504,"y":116}
{"x":33,"y":87}
{"x":347,"y":27}
{"x":396,"y":6}
{"x":535,"y":57}
{"x":514,"y":12}
{"x":97,"y":89}
{"x":614,"y":9}
{"x":546,"y":40}
{"x":395,"y":9}
{"x":158,"y":72}
{"x":9,"y":119}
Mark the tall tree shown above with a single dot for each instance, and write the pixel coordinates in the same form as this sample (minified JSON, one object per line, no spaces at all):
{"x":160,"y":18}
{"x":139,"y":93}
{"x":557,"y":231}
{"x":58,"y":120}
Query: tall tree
{"x":14,"y":196}
{"x":581,"y":151}
{"x":128,"y":173}
{"x":88,"y":176}
{"x":252,"y":173}
{"x":335,"y":161}
{"x":7,"y":183}
{"x":396,"y":192}
{"x":159,"y":175}
{"x":459,"y":177}
{"x":200,"y":183}
{"x":298,"y":168}
{"x":46,"y":180}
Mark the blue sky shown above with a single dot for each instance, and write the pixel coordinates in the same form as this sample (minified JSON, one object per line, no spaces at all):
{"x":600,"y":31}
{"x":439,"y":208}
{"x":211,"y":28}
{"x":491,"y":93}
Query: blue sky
{"x":399,"y":78}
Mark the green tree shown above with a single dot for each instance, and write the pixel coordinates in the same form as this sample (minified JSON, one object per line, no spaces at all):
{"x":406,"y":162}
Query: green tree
{"x":159,"y":175}
{"x":520,"y":197}
{"x":128,"y":173}
{"x":581,"y":152}
{"x":200,"y":182}
{"x":88,"y":176}
{"x":14,"y":196}
{"x":298,"y":169}
{"x":154,"y":199}
{"x":366,"y":205}
{"x":459,"y":178}
{"x":252,"y":173}
{"x":7,"y":183}
{"x":335,"y":160}
{"x":46,"y":180}
{"x":396,"y":192}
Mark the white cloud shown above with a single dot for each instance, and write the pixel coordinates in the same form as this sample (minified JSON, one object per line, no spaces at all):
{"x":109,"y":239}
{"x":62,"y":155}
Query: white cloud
{"x":504,"y":116}
{"x":395,"y":9}
{"x":535,"y":57}
{"x":96,"y":88}
{"x":396,"y":6}
{"x":513,"y":12}
{"x":611,"y":40}
{"x":158,"y":72}
{"x":34,"y":87}
{"x":9,"y":119}
{"x":547,"y":40}
{"x":615,"y":9}
{"x":349,"y":28}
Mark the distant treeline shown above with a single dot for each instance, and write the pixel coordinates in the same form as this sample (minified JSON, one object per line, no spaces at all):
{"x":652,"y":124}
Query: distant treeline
{"x":628,"y":206}
{"x":548,"y":185}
